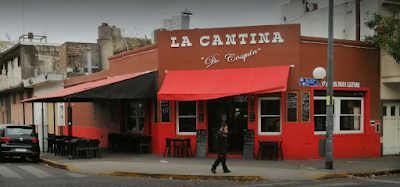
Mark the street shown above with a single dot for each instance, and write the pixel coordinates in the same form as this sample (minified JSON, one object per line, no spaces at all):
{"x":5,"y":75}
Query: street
{"x":17,"y":173}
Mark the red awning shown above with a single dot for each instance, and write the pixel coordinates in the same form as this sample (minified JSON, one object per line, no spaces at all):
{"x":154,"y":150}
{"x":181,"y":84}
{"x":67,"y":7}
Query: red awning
{"x":110,"y":88}
{"x":211,"y":84}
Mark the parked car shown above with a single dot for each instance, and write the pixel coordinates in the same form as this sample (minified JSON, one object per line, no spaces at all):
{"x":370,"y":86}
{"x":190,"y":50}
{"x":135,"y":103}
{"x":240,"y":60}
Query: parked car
{"x":19,"y":141}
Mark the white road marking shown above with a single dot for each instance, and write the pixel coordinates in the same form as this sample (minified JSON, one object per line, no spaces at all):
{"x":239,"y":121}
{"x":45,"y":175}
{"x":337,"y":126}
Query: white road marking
{"x":5,"y":172}
{"x":37,"y":172}
{"x":383,"y":181}
{"x":77,"y":174}
{"x":333,"y":184}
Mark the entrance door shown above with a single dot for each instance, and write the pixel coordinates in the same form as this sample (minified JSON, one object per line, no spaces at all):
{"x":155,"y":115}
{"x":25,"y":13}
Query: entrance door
{"x":232,"y":110}
{"x":391,"y":128}
{"x":135,"y":116}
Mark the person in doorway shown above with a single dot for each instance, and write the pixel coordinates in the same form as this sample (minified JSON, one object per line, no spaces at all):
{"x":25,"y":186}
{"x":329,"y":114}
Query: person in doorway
{"x":222,"y":143}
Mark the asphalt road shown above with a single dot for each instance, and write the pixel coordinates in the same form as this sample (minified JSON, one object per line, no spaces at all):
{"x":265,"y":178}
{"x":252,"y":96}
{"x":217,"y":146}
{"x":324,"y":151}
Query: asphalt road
{"x":18,"y":173}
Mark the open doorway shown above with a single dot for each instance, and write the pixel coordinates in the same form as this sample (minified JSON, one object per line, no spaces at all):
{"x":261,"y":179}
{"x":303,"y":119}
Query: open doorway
{"x":232,"y":110}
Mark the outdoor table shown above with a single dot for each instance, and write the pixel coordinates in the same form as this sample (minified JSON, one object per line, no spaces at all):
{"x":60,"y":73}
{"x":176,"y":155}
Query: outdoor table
{"x":136,"y":141}
{"x":270,"y":146}
{"x":181,"y":142}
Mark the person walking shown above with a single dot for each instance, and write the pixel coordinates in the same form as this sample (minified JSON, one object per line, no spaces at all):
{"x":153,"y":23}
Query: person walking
{"x":222,"y":143}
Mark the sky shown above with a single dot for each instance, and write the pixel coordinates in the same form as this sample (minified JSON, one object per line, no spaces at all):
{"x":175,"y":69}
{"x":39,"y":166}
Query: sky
{"x":78,"y":20}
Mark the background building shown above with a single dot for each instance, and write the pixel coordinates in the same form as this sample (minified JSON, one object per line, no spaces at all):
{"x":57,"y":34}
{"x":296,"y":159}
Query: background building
{"x":175,"y":23}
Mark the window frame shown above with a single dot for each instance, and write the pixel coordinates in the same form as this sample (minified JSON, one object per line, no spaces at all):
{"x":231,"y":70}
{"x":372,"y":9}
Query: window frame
{"x":177,"y":116}
{"x":260,"y":116}
{"x":337,"y":114}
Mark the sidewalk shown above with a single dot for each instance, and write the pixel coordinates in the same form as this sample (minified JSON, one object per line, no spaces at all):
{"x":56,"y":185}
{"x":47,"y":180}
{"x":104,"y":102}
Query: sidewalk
{"x":130,"y":164}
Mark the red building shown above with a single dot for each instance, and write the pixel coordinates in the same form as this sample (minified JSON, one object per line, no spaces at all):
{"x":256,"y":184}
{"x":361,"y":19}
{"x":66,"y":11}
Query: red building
{"x":248,"y":77}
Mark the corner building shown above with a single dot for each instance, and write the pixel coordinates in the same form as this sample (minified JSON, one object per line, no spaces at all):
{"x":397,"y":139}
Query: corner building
{"x":249,"y":77}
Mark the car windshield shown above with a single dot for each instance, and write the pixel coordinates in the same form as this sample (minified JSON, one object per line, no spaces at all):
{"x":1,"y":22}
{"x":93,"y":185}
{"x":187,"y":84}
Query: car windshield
{"x":20,"y":131}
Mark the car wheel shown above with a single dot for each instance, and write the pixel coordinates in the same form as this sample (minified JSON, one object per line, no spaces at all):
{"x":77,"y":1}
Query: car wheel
{"x":36,"y":159}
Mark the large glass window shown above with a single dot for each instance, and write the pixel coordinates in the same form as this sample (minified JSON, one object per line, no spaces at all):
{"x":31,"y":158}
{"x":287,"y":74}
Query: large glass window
{"x":186,"y":117}
{"x":269,"y":116}
{"x":347,"y":114}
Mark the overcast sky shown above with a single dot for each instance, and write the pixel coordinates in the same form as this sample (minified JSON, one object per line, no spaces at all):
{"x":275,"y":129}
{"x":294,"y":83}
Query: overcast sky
{"x":77,"y":20}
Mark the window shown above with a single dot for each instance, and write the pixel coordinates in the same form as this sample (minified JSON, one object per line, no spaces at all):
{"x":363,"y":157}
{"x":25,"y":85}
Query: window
{"x":135,"y":116}
{"x":186,"y":117}
{"x":347,"y":114}
{"x":269,"y":114}
{"x":73,"y":60}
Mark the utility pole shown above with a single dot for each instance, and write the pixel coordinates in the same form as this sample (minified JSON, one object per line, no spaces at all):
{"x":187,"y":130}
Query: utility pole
{"x":329,"y":94}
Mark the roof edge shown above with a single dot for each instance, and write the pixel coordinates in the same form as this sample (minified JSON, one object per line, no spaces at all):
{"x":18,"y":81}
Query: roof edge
{"x":134,"y":51}
{"x":337,"y":41}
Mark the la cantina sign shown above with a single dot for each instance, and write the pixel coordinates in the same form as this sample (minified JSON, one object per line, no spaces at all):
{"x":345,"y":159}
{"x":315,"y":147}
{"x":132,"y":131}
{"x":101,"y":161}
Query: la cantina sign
{"x":231,"y":39}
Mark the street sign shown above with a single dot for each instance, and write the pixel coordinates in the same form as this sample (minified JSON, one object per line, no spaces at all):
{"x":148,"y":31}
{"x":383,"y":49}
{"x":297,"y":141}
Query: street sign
{"x":308,"y":82}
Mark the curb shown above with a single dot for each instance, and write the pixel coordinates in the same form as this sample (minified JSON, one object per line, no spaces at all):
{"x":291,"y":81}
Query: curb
{"x":354,"y":174}
{"x":218,"y":177}
{"x":158,"y":175}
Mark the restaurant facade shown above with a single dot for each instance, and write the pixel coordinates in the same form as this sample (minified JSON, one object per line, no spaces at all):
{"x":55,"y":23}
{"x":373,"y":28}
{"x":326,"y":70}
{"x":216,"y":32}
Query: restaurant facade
{"x":253,"y":78}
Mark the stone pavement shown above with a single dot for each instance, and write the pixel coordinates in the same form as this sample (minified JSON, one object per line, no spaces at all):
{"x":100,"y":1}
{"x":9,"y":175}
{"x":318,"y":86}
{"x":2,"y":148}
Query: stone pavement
{"x":150,"y":165}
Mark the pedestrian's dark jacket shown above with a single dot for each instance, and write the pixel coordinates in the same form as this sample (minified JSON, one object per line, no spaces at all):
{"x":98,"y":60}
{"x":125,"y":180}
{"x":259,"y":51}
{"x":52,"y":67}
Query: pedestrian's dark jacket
{"x":222,"y":139}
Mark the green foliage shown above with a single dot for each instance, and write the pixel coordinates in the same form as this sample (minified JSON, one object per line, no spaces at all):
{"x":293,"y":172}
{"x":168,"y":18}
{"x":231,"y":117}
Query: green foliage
{"x":2,"y":46}
{"x":387,"y":31}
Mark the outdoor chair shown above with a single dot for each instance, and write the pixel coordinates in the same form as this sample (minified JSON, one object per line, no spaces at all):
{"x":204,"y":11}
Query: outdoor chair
{"x":145,"y":142}
{"x":167,"y":147}
{"x":82,"y":146}
{"x":186,"y":147}
{"x":280,"y":151}
{"x":94,"y":151}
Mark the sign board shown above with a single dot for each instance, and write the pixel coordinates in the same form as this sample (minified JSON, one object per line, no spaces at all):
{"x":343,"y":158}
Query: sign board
{"x":308,"y":82}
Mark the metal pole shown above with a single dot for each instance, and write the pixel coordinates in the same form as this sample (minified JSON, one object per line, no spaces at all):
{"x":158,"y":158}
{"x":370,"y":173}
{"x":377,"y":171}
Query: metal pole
{"x":23,"y":112}
{"x":329,"y":93}
{"x":69,"y":127}
{"x":54,"y":118}
{"x":42,"y":128}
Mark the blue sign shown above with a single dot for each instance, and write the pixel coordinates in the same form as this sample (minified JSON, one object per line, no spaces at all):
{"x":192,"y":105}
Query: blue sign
{"x":308,"y":82}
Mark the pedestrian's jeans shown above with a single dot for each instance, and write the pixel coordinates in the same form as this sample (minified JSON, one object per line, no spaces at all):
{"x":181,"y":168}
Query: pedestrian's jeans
{"x":221,"y":158}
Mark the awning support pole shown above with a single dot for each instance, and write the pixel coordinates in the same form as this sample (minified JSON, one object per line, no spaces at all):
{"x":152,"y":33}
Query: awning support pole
{"x":23,"y":112}
{"x":54,"y":118}
{"x":42,"y":128}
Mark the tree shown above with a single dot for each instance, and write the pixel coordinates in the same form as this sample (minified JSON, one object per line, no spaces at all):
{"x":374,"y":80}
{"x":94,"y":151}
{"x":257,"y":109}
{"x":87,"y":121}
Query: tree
{"x":387,"y":31}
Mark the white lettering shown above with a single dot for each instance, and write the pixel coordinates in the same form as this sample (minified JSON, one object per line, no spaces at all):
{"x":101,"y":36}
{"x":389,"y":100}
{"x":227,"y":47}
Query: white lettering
{"x":342,"y":84}
{"x":185,"y":41}
{"x":243,"y":36}
{"x":204,"y":38}
{"x":230,"y":39}
{"x":253,"y":40}
{"x":173,"y":44}
{"x":211,"y":60}
{"x":277,"y":38}
{"x":233,"y":57}
{"x":263,"y":37}
{"x":217,"y":40}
